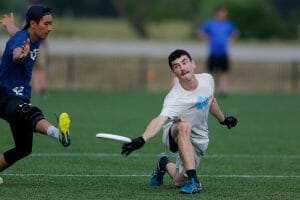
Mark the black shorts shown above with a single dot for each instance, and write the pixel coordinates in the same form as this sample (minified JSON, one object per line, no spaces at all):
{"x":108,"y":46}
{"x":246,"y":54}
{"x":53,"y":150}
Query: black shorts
{"x":9,"y":106}
{"x":173,"y":144}
{"x":218,"y":64}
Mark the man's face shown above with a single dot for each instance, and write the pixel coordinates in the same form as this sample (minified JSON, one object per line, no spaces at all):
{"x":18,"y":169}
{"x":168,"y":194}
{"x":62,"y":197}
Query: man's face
{"x":183,"y":68}
{"x":44,"y":27}
{"x":221,"y":14}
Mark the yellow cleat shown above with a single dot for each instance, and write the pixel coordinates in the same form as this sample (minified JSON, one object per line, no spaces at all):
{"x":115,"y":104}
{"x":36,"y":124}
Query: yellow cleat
{"x":63,"y":126}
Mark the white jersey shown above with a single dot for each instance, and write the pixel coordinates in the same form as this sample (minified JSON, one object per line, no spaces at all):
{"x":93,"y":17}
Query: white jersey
{"x":192,"y":106}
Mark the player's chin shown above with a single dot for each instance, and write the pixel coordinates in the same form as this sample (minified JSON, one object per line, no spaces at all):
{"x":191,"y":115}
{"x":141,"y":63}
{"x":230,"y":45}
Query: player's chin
{"x":44,"y":36}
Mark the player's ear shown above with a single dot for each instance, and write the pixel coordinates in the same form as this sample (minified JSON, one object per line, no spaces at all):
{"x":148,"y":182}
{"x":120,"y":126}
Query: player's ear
{"x":193,"y":64}
{"x":33,"y":23}
{"x":173,"y":73}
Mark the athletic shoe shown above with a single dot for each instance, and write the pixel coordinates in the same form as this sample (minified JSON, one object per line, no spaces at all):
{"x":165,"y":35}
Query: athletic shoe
{"x":157,"y":178}
{"x":63,"y":126}
{"x":190,"y":187}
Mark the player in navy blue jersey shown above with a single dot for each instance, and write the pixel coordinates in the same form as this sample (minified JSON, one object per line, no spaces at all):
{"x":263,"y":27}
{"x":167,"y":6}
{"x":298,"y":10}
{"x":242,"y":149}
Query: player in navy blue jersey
{"x":16,"y":66}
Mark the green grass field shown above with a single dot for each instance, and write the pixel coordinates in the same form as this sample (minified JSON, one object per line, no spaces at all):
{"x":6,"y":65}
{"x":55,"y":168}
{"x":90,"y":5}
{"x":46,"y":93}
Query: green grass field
{"x":260,"y":159}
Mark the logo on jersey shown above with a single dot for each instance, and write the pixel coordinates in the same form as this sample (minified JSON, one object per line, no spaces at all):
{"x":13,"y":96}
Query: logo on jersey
{"x":202,"y":102}
{"x":33,"y":54}
{"x":19,"y":90}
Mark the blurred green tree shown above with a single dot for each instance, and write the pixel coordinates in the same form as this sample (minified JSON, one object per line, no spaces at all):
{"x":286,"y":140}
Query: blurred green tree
{"x":134,"y":12}
{"x":256,"y":19}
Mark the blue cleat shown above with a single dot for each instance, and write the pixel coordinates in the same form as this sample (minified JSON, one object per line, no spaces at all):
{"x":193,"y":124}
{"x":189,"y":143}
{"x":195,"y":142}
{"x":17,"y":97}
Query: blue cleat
{"x":191,"y":187}
{"x":157,"y":178}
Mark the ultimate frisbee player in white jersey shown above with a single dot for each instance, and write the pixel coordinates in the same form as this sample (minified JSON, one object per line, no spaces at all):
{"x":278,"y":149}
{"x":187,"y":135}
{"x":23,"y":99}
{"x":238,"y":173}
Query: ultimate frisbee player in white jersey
{"x":186,"y":133}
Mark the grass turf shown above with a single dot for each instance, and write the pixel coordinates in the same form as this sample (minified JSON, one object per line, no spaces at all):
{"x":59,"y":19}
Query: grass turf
{"x":260,"y":159}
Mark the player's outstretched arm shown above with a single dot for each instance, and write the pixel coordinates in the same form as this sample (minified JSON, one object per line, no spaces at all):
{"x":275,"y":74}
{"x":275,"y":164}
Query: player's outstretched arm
{"x":152,"y":129}
{"x":216,"y":111}
{"x":9,"y":24}
{"x":229,"y":121}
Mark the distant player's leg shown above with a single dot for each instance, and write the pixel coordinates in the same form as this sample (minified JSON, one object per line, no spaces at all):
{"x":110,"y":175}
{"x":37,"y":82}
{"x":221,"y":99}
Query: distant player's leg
{"x":223,"y":84}
{"x":223,"y":79}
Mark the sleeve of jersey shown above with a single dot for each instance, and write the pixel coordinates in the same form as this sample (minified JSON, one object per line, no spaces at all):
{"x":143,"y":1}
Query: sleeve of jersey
{"x":16,"y":42}
{"x":210,"y":79}
{"x":170,"y":109}
{"x":204,"y":28}
{"x":233,"y":28}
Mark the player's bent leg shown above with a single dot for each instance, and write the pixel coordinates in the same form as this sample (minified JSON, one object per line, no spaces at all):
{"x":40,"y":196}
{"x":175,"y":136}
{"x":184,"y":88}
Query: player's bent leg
{"x":15,"y":154}
{"x":185,"y":146}
{"x":23,"y":142}
{"x":160,"y":170}
{"x":63,"y":126}
{"x":30,"y":115}
{"x":23,"y":135}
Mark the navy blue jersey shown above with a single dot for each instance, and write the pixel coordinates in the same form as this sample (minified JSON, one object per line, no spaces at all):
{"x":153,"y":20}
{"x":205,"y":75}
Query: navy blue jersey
{"x":16,"y":77}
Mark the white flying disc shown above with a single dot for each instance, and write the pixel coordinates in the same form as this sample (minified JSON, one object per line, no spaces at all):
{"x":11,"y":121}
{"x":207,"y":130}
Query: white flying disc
{"x":113,"y":137}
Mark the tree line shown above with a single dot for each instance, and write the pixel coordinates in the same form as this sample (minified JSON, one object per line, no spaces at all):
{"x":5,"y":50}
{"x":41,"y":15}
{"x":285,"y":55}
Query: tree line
{"x":267,"y":19}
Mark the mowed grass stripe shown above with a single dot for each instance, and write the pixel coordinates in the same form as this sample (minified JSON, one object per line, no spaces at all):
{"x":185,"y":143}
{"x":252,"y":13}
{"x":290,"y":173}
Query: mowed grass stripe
{"x":269,"y":156}
{"x":147,"y":175}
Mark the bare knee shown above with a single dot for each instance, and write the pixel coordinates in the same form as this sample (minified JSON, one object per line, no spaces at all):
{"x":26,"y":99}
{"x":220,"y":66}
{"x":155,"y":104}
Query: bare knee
{"x":184,"y":128}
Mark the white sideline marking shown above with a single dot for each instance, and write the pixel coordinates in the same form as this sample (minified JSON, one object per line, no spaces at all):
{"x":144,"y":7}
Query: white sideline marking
{"x":145,"y":175}
{"x":270,"y":156}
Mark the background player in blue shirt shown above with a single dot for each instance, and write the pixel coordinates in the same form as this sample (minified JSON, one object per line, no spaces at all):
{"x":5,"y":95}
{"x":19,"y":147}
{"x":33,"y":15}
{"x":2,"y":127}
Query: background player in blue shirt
{"x":16,"y":66}
{"x":218,"y":32}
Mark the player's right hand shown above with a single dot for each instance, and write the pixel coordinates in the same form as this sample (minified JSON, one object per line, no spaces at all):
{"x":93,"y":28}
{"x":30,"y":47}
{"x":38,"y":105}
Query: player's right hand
{"x":7,"y":20}
{"x":135,"y":144}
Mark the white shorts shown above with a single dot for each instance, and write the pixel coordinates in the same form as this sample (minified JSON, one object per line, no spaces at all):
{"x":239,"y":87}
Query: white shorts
{"x":199,"y":146}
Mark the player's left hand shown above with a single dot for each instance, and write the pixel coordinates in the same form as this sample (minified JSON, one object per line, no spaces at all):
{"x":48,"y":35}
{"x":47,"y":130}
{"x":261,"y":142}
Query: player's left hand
{"x":230,"y":122}
{"x":25,"y":48}
{"x":135,"y":144}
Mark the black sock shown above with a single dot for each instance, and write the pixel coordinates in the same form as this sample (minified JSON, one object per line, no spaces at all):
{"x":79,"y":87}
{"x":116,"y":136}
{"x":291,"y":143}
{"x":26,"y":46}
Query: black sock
{"x":163,"y":163}
{"x":192,"y":174}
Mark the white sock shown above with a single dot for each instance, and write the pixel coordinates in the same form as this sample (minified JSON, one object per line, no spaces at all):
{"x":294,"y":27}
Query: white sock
{"x":53,"y":132}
